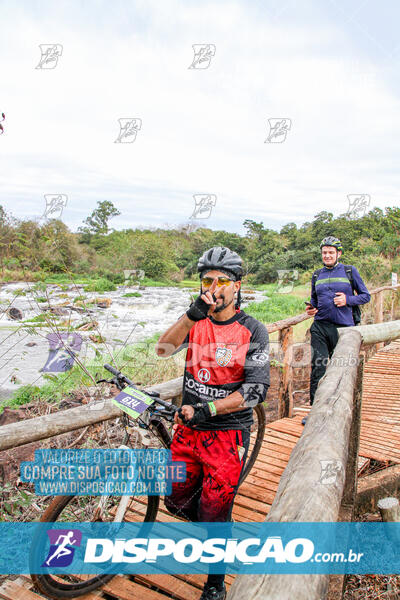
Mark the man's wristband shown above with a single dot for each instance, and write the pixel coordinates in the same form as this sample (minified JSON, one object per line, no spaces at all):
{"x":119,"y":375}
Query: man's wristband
{"x":213,"y":410}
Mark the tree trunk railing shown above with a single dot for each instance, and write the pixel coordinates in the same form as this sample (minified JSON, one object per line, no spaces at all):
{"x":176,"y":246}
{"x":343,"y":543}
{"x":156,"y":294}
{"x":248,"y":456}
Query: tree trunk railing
{"x":331,"y":433}
{"x":285,"y":328}
{"x":41,"y":428}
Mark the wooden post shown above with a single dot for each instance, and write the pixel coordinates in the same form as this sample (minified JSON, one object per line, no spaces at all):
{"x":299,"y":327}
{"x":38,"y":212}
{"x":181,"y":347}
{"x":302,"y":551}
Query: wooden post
{"x":337,"y":583}
{"x":350,"y":486}
{"x":311,"y":487}
{"x":389,"y":509}
{"x":392,"y":305}
{"x":285,"y":396}
{"x":40,"y":428}
{"x":379,"y":313}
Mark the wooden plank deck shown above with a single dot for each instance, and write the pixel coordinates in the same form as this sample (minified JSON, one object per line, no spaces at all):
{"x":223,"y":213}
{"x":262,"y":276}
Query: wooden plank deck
{"x":252,"y":503}
{"x":380,"y":409}
{"x":380,"y":439}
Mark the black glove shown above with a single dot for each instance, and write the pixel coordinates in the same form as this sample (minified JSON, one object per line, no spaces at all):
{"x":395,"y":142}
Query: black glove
{"x":198,"y":310}
{"x":201,"y":413}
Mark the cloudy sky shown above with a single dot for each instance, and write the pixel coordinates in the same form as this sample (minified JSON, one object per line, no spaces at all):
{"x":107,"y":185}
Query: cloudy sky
{"x":330,"y":67}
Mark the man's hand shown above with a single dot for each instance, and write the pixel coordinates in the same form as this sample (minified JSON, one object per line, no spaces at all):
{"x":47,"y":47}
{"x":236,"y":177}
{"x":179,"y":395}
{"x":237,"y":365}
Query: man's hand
{"x":340,"y":299}
{"x":310,"y":310}
{"x":197,"y":414}
{"x":187,"y":411}
{"x":204,"y":304}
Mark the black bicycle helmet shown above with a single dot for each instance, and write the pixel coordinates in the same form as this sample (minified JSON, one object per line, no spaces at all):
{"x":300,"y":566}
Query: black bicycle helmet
{"x":222,"y":259}
{"x":330,"y":240}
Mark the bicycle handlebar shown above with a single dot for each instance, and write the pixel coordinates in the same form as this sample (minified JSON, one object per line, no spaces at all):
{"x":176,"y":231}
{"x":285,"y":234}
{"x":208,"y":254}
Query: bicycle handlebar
{"x":125,"y":379}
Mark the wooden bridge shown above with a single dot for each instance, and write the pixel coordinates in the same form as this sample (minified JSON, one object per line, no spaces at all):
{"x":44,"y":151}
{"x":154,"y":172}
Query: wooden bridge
{"x":379,"y":439}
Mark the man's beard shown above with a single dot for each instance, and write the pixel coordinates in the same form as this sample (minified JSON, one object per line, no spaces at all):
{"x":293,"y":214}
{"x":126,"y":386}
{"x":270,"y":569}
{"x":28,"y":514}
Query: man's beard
{"x":221,"y":307}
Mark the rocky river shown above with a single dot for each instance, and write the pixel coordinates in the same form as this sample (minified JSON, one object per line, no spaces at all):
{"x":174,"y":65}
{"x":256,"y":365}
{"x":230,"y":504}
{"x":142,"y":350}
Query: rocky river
{"x":126,"y":316}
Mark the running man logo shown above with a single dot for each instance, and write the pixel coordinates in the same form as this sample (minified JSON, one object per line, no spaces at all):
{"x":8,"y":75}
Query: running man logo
{"x":330,"y":471}
{"x":54,"y":205}
{"x":203,"y":54}
{"x":61,"y":552}
{"x":63,"y":348}
{"x":358,"y":204}
{"x":278,"y":130}
{"x":204,"y":204}
{"x":128,"y":129}
{"x":50,"y":55}
{"x":131,"y":275}
{"x":286,"y":279}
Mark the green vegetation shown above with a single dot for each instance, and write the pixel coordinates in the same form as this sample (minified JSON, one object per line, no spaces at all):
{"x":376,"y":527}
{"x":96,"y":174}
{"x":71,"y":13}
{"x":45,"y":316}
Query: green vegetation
{"x":138,"y":361}
{"x":51,"y":253}
{"x":38,"y":319}
{"x":132,"y":295}
{"x":279,"y":306}
{"x":100,"y":285}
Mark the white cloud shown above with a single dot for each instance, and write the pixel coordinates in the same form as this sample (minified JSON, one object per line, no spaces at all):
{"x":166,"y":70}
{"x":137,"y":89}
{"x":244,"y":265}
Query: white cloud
{"x":202,"y":131}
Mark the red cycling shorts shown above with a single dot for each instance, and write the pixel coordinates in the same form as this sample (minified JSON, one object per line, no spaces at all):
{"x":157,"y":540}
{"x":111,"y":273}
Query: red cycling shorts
{"x":214,"y":461}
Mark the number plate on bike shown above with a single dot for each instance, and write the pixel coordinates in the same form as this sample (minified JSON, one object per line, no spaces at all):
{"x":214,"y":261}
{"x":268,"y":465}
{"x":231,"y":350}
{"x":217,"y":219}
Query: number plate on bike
{"x":132,"y":401}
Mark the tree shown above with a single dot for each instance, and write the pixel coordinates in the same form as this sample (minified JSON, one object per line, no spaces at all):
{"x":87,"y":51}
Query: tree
{"x":97,"y":222}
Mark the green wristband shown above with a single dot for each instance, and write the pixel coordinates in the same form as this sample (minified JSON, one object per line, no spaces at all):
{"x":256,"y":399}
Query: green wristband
{"x":212,"y":408}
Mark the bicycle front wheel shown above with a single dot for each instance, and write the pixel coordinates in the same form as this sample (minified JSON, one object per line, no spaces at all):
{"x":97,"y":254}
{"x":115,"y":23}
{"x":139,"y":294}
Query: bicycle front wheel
{"x":257,"y":431}
{"x":79,"y":509}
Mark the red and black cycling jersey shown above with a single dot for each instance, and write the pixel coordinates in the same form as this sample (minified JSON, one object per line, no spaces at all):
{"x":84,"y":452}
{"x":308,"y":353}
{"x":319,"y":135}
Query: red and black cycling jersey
{"x":223,"y":356}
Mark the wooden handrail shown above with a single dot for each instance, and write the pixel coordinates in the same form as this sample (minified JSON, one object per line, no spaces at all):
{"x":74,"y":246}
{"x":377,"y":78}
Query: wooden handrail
{"x":290,"y":321}
{"x":40,"y":428}
{"x":302,"y":495}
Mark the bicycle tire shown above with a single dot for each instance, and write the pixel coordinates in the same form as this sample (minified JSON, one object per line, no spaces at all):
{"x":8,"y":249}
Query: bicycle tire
{"x":256,"y":441}
{"x":46,"y":582}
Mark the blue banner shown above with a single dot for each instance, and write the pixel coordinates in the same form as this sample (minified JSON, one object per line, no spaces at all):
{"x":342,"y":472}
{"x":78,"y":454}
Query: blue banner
{"x":179,"y":547}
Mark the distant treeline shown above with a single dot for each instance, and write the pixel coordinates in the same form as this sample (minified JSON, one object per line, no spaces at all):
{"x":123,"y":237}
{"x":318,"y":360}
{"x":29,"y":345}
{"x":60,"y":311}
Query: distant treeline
{"x":371,"y":242}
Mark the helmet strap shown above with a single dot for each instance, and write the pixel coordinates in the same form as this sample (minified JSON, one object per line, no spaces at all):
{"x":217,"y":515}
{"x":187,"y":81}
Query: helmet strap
{"x":238,"y":299}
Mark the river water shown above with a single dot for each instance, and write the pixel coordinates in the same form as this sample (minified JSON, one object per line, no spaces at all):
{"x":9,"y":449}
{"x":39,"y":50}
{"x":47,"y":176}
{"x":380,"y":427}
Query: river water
{"x":24,"y":349}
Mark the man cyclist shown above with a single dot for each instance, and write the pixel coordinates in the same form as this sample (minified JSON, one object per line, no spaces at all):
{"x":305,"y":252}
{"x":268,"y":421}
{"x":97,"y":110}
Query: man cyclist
{"x":226,"y":374}
{"x":332,"y":302}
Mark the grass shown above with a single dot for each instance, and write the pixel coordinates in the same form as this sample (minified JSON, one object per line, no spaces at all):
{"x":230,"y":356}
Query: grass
{"x":138,"y":361}
{"x":132,"y":295}
{"x":100,"y":285}
{"x":38,"y":319}
{"x":277,"y":307}
{"x":281,"y":306}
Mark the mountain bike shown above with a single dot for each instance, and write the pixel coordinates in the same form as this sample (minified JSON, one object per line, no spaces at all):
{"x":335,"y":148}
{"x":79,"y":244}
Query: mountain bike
{"x":158,"y":419}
